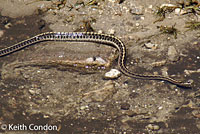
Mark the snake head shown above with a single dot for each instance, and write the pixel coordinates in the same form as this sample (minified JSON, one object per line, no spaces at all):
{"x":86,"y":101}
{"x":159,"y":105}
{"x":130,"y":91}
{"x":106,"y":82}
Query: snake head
{"x":188,"y":84}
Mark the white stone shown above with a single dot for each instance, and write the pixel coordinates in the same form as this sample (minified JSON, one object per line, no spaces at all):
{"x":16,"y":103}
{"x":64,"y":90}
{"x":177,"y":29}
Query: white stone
{"x":167,"y":5}
{"x":97,"y":59}
{"x":89,"y":60}
{"x":8,"y":25}
{"x":111,"y":31}
{"x":153,"y":127}
{"x":100,"y":31}
{"x":179,"y":11}
{"x":31,"y":91}
{"x":100,"y":60}
{"x":150,"y":6}
{"x":112,"y":1}
{"x":112,"y":74}
{"x":142,"y":18}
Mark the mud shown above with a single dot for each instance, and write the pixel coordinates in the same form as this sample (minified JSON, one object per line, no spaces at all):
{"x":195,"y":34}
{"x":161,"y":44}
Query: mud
{"x":51,"y":83}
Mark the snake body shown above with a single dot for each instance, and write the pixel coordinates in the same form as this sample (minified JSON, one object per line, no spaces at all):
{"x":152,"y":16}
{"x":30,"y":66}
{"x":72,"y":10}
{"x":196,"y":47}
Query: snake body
{"x":89,"y":37}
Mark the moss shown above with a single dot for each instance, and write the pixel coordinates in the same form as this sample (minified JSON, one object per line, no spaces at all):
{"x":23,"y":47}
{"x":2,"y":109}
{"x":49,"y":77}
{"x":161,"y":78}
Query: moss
{"x":168,"y":30}
{"x":161,"y":12}
{"x":193,"y":25}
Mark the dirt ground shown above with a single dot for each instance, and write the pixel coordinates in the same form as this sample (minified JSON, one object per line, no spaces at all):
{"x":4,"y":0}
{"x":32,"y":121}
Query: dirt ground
{"x":52,"y":83}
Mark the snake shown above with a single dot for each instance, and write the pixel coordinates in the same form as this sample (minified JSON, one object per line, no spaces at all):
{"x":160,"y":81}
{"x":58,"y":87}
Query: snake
{"x":105,"y":39}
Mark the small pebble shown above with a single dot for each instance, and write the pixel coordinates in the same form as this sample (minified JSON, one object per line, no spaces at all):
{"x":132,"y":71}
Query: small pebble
{"x":150,"y":6}
{"x":179,"y":11}
{"x":100,"y":31}
{"x":196,"y":113}
{"x":167,"y":5}
{"x":112,"y":1}
{"x":153,"y":127}
{"x":8,"y":25}
{"x":142,"y":18}
{"x":45,"y":116}
{"x":195,"y":43}
{"x":100,"y":60}
{"x":150,"y":45}
{"x":111,"y":31}
{"x":112,"y":74}
{"x":83,"y":107}
{"x":31,"y":91}
{"x":89,"y":60}
{"x":97,"y":59}
{"x":125,"y":106}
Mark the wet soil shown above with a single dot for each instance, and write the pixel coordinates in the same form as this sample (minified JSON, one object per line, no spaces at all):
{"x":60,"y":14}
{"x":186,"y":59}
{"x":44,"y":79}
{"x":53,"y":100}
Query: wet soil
{"x":52,"y":83}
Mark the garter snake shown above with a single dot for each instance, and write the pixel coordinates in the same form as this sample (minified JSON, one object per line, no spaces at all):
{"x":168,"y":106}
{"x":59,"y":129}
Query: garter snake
{"x":89,"y":37}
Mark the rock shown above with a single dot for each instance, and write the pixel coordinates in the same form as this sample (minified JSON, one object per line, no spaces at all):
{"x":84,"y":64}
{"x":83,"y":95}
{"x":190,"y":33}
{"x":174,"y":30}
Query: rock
{"x":111,"y":31}
{"x":84,"y":107}
{"x":100,"y":60}
{"x":8,"y":25}
{"x":150,"y":45}
{"x":89,"y":60}
{"x":112,"y":74}
{"x":97,"y":59}
{"x":196,"y":113}
{"x":189,"y":72}
{"x":152,"y":127}
{"x":159,"y":63}
{"x":137,"y":24}
{"x":100,"y":31}
{"x":112,"y":1}
{"x":125,"y":106}
{"x":167,"y":5}
{"x":31,"y":91}
{"x":150,"y":6}
{"x":179,"y":11}
{"x":172,"y":54}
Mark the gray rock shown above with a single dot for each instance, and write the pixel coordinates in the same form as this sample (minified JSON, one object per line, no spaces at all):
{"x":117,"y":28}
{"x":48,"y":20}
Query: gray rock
{"x":172,"y":54}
